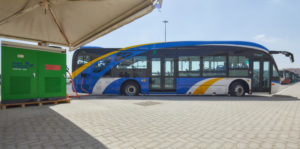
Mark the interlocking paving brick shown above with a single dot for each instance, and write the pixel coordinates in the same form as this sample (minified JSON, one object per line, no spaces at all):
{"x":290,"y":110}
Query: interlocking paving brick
{"x":162,"y":122}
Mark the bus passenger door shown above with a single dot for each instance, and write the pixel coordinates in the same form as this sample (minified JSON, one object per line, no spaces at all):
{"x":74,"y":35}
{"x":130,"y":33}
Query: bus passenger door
{"x":162,"y":75}
{"x":261,"y":75}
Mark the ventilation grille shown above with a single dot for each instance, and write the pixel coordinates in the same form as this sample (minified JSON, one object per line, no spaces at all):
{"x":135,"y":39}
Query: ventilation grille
{"x":52,"y":85}
{"x":20,"y":85}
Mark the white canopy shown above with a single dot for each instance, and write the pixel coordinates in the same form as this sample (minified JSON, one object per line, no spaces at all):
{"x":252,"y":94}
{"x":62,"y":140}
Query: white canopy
{"x":70,"y":23}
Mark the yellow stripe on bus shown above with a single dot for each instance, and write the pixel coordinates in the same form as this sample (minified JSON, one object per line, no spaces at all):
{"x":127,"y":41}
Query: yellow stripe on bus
{"x":203,"y":87}
{"x":83,"y":67}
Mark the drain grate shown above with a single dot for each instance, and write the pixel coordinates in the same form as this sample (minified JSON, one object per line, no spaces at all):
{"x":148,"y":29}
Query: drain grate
{"x":147,"y":103}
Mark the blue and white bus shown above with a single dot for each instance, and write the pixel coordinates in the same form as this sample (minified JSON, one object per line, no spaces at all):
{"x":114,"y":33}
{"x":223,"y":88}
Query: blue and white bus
{"x":189,"y":67}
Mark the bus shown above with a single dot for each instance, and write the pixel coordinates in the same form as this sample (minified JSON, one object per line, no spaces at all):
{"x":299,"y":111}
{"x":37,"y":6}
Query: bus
{"x":294,"y":77}
{"x":297,"y":78}
{"x":285,"y":77}
{"x":181,"y":68}
{"x":288,"y":77}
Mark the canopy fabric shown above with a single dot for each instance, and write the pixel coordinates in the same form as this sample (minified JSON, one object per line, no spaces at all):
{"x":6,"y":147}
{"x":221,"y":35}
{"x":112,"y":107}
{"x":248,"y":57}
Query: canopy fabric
{"x":70,"y":23}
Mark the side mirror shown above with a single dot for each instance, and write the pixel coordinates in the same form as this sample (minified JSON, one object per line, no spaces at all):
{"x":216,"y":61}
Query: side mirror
{"x":287,"y":54}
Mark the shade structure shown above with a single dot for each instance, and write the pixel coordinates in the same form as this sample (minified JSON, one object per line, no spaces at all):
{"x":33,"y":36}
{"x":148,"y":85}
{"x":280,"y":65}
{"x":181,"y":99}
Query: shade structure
{"x":70,"y":23}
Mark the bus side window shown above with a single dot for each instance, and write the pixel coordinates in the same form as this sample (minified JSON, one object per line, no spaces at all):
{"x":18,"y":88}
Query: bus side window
{"x":214,"y":66}
{"x":83,"y":59}
{"x":126,"y":64}
{"x":101,"y":65}
{"x":140,"y":62}
{"x":137,"y":62}
{"x":287,"y":75}
{"x":189,"y":66}
{"x":133,"y":67}
{"x":238,"y":66}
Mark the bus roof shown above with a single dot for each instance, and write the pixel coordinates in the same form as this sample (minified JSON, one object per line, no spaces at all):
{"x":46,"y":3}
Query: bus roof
{"x":90,"y":47}
{"x":191,"y":43}
{"x":203,"y":43}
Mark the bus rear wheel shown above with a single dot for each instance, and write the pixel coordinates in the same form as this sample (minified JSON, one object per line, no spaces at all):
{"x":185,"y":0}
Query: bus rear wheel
{"x":237,"y":89}
{"x":130,"y":89}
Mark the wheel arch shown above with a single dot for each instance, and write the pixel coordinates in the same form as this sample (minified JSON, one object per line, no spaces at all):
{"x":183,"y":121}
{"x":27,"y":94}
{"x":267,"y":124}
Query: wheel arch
{"x":127,"y":81}
{"x":242,"y":82}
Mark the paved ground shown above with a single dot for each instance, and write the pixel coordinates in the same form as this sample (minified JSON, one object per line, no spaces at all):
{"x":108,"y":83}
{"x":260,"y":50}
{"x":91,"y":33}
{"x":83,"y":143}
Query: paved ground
{"x":155,"y":122}
{"x":290,"y":90}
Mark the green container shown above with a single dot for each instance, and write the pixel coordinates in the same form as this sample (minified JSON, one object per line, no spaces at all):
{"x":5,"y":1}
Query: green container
{"x":32,"y":73}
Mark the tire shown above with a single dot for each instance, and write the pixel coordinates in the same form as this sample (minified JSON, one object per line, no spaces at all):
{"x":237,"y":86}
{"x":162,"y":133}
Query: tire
{"x":237,"y":89}
{"x":130,"y":89}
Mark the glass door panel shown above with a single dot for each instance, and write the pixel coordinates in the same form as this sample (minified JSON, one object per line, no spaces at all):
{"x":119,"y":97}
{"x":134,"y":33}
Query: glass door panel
{"x":261,"y":76}
{"x":256,"y":75}
{"x":266,"y":76}
{"x":156,"y":68}
{"x":156,"y":73}
{"x":169,"y":73}
{"x":155,"y":83}
{"x":169,"y":67}
{"x":162,"y":74}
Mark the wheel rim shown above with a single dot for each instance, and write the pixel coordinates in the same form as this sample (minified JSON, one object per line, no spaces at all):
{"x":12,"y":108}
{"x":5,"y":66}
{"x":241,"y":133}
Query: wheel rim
{"x":130,"y":90}
{"x":239,"y":90}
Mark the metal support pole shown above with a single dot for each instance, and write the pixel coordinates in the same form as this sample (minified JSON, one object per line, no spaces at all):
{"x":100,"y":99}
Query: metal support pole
{"x":165,"y":21}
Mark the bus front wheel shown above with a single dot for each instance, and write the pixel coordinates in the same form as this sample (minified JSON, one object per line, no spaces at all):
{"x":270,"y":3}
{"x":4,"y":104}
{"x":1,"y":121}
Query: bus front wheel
{"x":237,"y":89}
{"x":130,"y":89}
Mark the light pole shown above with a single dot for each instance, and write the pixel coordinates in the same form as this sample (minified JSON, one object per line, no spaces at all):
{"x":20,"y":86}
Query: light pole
{"x":165,"y":21}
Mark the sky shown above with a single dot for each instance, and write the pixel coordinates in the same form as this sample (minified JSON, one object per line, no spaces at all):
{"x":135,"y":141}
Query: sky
{"x":272,"y":23}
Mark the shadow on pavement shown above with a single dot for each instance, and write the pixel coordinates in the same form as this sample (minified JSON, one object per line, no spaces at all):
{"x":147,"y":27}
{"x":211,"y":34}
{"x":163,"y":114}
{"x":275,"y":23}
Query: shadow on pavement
{"x":190,"y":98}
{"x":41,"y":127}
